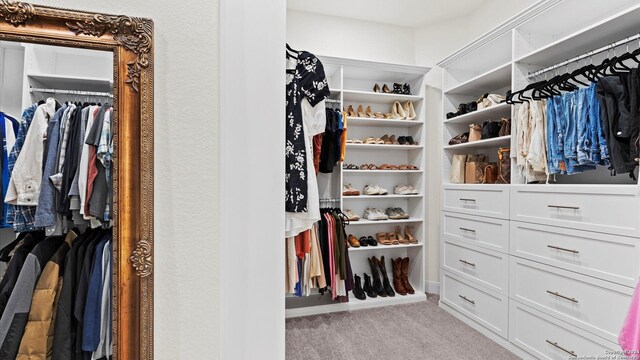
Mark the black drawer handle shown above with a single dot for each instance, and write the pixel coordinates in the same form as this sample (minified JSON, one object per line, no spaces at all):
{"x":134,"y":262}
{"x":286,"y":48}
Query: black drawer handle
{"x":555,"y":344}
{"x":563,"y":249}
{"x":467,"y":300}
{"x":467,"y":263}
{"x":555,"y":293}
{"x":564,"y":207}
{"x":469,"y":200}
{"x":465,"y":229}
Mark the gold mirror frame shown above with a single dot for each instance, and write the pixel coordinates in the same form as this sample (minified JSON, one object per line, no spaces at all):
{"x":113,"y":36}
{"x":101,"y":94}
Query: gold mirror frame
{"x":131,"y":41}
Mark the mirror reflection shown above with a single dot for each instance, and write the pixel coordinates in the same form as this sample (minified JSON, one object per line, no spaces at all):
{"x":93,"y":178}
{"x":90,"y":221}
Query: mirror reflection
{"x":56,"y":126}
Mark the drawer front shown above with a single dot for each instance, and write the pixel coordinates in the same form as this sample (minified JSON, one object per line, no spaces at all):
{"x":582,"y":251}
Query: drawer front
{"x":485,"y":267}
{"x":609,"y":257}
{"x":595,"y":305}
{"x":492,"y":201}
{"x":487,"y":232}
{"x":547,"y":338}
{"x":480,"y":305}
{"x":611,"y":211}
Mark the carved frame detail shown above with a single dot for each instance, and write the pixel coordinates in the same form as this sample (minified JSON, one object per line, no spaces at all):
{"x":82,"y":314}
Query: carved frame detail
{"x":131,"y":41}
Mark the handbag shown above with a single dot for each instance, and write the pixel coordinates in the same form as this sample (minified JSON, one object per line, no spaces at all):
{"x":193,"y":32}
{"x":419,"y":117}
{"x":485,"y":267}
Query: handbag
{"x":490,"y":129}
{"x":505,"y":127}
{"x":456,"y":175}
{"x":504,"y":166}
{"x":459,"y":139}
{"x":475,"y":132}
{"x":490,"y":173}
{"x":474,"y":169}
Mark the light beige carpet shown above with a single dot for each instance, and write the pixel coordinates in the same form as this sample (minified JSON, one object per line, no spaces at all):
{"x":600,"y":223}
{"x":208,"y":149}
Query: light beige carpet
{"x":408,"y":332}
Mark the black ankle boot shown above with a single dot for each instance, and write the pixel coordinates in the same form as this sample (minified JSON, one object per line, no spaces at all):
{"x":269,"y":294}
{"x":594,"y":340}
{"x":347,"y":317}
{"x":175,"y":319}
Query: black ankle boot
{"x":377,"y":283}
{"x":385,"y":279}
{"x":367,"y":287}
{"x":357,"y":289}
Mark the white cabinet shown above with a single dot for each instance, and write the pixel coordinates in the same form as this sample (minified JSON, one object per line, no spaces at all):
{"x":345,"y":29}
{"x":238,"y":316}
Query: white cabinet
{"x":490,"y":200}
{"x":485,"y":267}
{"x":486,"y":232}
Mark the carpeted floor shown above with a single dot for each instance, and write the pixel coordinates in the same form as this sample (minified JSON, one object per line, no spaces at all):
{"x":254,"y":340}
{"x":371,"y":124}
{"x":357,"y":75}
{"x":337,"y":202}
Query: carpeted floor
{"x":412,"y":332}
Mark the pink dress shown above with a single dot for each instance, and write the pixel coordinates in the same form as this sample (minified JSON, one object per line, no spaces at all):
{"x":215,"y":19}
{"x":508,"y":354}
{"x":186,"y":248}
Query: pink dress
{"x":629,"y":338}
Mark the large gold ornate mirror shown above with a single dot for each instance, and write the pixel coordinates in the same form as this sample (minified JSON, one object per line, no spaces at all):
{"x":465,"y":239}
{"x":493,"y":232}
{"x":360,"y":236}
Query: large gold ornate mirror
{"x":76,"y":121}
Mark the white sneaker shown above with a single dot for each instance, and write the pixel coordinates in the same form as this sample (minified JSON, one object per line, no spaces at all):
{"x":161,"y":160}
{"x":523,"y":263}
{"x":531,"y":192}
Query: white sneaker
{"x":402,"y":190}
{"x":375,"y":190}
{"x":413,"y":191}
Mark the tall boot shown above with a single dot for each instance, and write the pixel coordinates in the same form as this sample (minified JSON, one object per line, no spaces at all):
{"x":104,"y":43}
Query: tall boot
{"x":377,"y":284}
{"x":357,"y":289}
{"x":368,"y":289}
{"x":398,"y":284}
{"x":385,"y":279}
{"x":405,"y":276}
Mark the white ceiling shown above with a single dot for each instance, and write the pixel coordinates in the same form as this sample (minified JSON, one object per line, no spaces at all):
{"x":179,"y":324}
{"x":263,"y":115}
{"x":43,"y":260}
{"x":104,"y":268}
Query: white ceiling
{"x":410,"y":13}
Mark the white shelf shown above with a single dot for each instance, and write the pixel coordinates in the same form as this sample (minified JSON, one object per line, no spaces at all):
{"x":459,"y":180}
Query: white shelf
{"x":380,"y":247}
{"x":68,"y":82}
{"x":366,"y":97}
{"x":384,"y":222}
{"x":378,"y":197}
{"x":355,"y":304}
{"x":375,"y":122}
{"x":489,"y":81}
{"x":502,"y":110}
{"x":369,"y":172}
{"x":383,"y":147}
{"x":488,"y":143}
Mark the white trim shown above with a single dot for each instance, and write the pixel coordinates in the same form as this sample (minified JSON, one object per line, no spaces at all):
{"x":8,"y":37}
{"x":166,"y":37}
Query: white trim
{"x":520,"y":18}
{"x":378,"y":66}
{"x":433,"y":287}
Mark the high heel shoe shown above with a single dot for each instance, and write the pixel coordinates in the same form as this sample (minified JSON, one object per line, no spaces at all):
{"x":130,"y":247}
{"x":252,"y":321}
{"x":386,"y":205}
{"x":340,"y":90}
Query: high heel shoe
{"x":376,"y":88}
{"x":409,"y":110}
{"x":350,"y":111}
{"x":369,"y":113}
{"x":399,"y":236}
{"x":385,"y":89}
{"x":397,"y":112}
{"x":408,"y":232}
{"x":360,"y":111}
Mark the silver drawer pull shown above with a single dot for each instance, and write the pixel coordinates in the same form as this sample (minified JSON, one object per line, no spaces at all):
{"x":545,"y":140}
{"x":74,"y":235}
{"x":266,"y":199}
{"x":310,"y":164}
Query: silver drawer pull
{"x":469,"y":200}
{"x":555,"y":344}
{"x":467,"y":263}
{"x":555,"y":293}
{"x":469,"y":230}
{"x":564,"y":207}
{"x":465,"y":299}
{"x":563,"y":249}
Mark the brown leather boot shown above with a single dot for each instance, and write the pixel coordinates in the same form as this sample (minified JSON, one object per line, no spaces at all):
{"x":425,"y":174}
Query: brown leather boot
{"x":405,"y":275}
{"x":398,"y":284}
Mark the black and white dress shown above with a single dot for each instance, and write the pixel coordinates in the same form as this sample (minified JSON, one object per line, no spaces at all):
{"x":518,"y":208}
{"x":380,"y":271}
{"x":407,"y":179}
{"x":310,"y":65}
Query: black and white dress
{"x":308,"y":81}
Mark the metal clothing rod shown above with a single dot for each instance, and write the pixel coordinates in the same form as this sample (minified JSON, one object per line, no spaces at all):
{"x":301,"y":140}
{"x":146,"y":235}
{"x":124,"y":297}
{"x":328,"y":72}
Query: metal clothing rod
{"x":332,"y":101}
{"x":72,"y":92}
{"x":584,"y":56}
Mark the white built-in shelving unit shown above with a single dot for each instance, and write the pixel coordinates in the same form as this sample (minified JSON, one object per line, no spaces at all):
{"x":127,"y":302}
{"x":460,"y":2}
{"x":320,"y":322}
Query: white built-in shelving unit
{"x":530,"y":265}
{"x":351,"y":83}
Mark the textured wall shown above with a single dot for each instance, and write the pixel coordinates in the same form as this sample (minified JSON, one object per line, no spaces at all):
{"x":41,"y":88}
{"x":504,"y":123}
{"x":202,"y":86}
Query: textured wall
{"x":186,"y":192}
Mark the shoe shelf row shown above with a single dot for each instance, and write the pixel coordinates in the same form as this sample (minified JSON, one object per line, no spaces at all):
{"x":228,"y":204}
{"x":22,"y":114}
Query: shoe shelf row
{"x":352,"y":83}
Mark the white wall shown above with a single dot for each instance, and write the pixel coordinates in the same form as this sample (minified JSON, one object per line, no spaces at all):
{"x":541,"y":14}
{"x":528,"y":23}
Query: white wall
{"x":355,"y":39}
{"x":187,"y":256}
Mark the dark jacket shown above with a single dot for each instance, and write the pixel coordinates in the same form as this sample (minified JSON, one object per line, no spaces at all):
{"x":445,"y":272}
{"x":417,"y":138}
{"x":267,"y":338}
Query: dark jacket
{"x":15,"y":266}
{"x":15,"y":316}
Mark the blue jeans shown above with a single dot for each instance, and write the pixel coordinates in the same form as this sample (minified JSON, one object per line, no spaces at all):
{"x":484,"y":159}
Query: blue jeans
{"x":584,"y":129}
{"x":554,"y":140}
{"x":599,"y":149}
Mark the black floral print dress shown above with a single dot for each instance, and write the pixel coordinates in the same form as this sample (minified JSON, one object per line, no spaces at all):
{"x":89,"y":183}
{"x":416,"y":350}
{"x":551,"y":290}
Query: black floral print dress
{"x":309,"y":81}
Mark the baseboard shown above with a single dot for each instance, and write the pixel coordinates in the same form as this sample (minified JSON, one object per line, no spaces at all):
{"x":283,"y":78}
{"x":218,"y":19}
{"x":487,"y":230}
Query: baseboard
{"x":432,"y":287}
{"x":486,"y":332}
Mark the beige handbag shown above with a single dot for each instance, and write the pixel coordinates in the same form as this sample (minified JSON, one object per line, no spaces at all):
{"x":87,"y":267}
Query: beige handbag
{"x":456,"y":174}
{"x":475,"y":132}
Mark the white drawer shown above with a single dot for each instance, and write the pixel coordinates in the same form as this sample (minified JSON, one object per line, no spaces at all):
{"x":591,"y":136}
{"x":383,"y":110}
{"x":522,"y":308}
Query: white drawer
{"x":482,"y":231}
{"x":595,"y":305}
{"x":608,"y":209}
{"x":609,"y":257}
{"x":488,"y":309}
{"x":485,"y":267}
{"x":483,"y":200}
{"x":548,"y":338}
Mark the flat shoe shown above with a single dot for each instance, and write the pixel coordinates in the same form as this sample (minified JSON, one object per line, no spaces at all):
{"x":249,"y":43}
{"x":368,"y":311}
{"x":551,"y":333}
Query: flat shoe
{"x":363,"y":241}
{"x":372,"y":241}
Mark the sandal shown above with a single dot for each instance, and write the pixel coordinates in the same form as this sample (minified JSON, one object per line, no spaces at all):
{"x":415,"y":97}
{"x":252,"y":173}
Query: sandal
{"x":401,"y":239}
{"x":378,"y":115}
{"x":373,"y":167}
{"x":393,"y":140}
{"x":356,"y":141}
{"x":408,"y":232}
{"x":384,"y":167}
{"x":393,"y":239}
{"x":386,"y":140}
{"x":370,"y":140}
{"x":411,"y":167}
{"x":349,"y":141}
{"x":382,"y":239}
{"x":388,"y":116}
{"x":364,"y":167}
{"x":379,"y":141}
{"x":403,"y":167}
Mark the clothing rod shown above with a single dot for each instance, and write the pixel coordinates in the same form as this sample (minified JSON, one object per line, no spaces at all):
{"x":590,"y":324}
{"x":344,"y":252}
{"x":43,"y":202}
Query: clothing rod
{"x":584,"y":56}
{"x":332,"y":101}
{"x":72,"y":92}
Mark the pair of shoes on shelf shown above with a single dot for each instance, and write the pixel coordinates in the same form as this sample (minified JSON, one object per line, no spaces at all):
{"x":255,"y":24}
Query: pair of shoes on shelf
{"x":407,"y":140}
{"x":375,"y":214}
{"x":351,"y":216}
{"x":375,"y":190}
{"x":401,"y":276}
{"x":350,"y":167}
{"x":361,"y":112}
{"x":367,"y":241}
{"x":368,"y":167}
{"x":348,"y":190}
{"x":398,"y":88}
{"x":403,"y":111}
{"x":385,"y":238}
{"x":376,"y":285}
{"x":396,"y":213}
{"x":405,"y":190}
{"x":405,"y":237}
